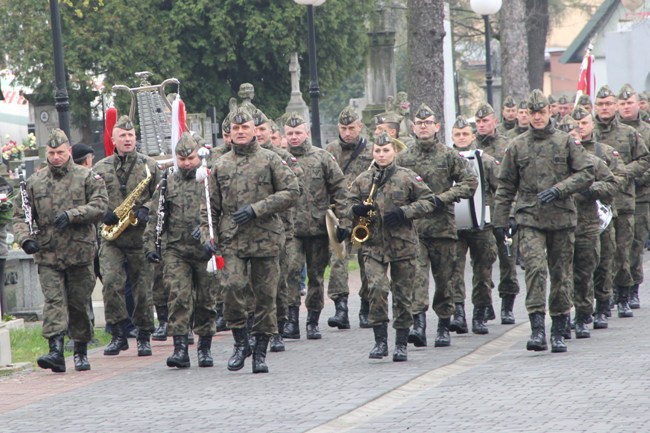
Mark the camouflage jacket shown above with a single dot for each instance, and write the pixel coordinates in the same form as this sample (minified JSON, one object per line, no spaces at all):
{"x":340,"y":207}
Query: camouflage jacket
{"x":250,"y":175}
{"x":517,"y":130}
{"x":505,"y":126}
{"x":114,"y":167}
{"x":448,"y":176}
{"x":79,"y":193}
{"x":642,"y":182}
{"x":490,"y":180}
{"x":493,"y":145}
{"x":343,"y":152}
{"x":535,"y":161}
{"x":397,"y":187}
{"x":604,"y":188}
{"x":324,"y":184}
{"x":613,"y":161}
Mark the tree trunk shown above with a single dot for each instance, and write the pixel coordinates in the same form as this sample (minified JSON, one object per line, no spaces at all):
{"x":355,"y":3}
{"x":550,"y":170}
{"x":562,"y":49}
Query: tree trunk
{"x":537,"y":29}
{"x":426,"y":78}
{"x":514,"y":49}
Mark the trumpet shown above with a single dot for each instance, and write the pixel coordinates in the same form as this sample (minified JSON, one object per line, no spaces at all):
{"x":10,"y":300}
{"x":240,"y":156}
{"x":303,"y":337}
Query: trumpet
{"x":361,"y":232}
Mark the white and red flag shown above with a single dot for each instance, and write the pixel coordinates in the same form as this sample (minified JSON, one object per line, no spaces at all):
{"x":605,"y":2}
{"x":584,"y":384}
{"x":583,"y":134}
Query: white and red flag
{"x":587,"y":77}
{"x":178,"y":125}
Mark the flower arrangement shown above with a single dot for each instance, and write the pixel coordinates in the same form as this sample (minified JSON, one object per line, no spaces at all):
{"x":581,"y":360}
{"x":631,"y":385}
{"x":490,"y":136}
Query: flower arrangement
{"x":12,"y":151}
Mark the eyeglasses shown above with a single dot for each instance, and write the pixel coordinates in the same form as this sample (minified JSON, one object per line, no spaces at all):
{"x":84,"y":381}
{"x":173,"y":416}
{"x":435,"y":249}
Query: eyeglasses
{"x":425,"y":122}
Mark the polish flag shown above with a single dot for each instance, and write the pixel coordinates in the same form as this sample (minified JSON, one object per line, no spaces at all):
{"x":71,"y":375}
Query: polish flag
{"x":111,"y":120}
{"x":178,"y":125}
{"x":586,"y":77}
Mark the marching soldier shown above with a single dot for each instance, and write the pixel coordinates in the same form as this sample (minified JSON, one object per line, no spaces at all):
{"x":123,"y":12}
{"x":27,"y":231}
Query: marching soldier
{"x":390,"y":122}
{"x":522,"y":121}
{"x":564,"y":107}
{"x":65,"y":201}
{"x":250,"y":186}
{"x":585,"y":102}
{"x":123,"y":172}
{"x":509,"y":116}
{"x":450,"y":179}
{"x":541,"y":169}
{"x":555,"y":110}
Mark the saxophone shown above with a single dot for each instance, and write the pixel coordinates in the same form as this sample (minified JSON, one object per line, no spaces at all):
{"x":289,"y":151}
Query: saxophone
{"x":125,"y":211}
{"x":361,"y":232}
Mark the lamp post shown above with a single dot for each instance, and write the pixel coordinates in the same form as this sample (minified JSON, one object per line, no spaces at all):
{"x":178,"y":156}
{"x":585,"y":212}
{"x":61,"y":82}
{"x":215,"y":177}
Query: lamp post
{"x":61,"y":101}
{"x":487,"y":8}
{"x":314,"y":89}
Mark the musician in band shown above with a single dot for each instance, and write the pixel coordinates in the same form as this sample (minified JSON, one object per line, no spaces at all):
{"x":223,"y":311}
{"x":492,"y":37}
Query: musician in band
{"x":125,"y":174}
{"x":56,"y":222}
{"x":391,"y":197}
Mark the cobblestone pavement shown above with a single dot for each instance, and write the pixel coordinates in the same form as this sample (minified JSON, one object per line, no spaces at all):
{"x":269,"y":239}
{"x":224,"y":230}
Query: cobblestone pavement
{"x":479,"y":384}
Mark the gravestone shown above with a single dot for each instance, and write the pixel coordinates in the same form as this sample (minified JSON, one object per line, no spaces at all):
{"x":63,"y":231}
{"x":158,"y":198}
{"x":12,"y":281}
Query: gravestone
{"x":22,"y":295}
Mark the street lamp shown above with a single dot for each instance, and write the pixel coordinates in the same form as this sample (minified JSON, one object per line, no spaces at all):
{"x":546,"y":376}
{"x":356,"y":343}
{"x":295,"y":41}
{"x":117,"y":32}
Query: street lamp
{"x":314,"y":89}
{"x":61,"y":101}
{"x":487,"y":8}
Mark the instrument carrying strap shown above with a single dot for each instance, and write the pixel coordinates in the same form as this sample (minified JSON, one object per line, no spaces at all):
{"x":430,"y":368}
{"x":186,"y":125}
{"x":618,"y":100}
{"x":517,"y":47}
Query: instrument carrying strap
{"x":356,"y":153}
{"x":123,"y":181}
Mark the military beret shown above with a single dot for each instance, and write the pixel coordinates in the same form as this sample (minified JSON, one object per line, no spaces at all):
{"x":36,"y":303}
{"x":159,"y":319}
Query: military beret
{"x":567,"y":124}
{"x":580,"y":113}
{"x":605,"y":92}
{"x":563,"y":100}
{"x":509,"y":102}
{"x":424,"y":111}
{"x":461,"y":123}
{"x":225,"y":126}
{"x":383,"y":139}
{"x":57,"y":138}
{"x":124,"y":122}
{"x":186,"y":145}
{"x":294,"y":120}
{"x":259,"y":117}
{"x":241,"y":115}
{"x":80,"y":151}
{"x":484,"y":110}
{"x":551,"y":100}
{"x":348,"y":116}
{"x":537,"y":101}
{"x":523,"y":105}
{"x":626,"y":92}
{"x":584,"y":100}
{"x":388,"y":117}
{"x":274,"y":126}
{"x":643,"y":96}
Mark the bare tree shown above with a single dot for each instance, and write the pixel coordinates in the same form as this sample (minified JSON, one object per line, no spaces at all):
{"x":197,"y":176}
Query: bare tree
{"x":514,"y":50}
{"x":537,"y":24}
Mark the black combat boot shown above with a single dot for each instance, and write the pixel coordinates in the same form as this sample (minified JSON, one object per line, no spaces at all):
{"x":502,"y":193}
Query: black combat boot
{"x":558,"y":329}
{"x":259,"y":354}
{"x":600,"y":316}
{"x":81,"y":362}
{"x":292,"y":327}
{"x":180,"y":358}
{"x":160,"y":333}
{"x":537,"y":341}
{"x":622,"y":304}
{"x":401,"y":337}
{"x":249,"y":328}
{"x":143,"y":343}
{"x":241,"y":349}
{"x":313,"y":333}
{"x":53,"y":360}
{"x":489,"y":313}
{"x":507,"y":305}
{"x":119,"y":341}
{"x":634,"y":302}
{"x":276,"y":342}
{"x":567,"y":327}
{"x":418,"y":335}
{"x":364,"y":310}
{"x":459,"y":323}
{"x":582,"y":330}
{"x":381,"y":341}
{"x":442,"y":333}
{"x":220,"y":321}
{"x":203,"y":351}
{"x":478,"y":321}
{"x":340,"y":319}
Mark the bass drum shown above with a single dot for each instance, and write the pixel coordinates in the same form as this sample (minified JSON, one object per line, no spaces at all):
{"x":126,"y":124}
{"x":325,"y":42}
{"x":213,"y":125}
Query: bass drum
{"x":473,"y":213}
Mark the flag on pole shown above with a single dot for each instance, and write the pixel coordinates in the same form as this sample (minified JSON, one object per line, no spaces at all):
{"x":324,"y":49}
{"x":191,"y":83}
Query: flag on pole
{"x":586,"y":76}
{"x":178,"y":125}
{"x":111,"y":119}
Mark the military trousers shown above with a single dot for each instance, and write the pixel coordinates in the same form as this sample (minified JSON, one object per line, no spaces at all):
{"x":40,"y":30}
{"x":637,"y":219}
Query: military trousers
{"x":585,"y":260}
{"x":548,"y":252}
{"x":624,"y":225}
{"x":67,"y":300}
{"x":400,"y":285}
{"x":641,"y":231}
{"x":603,"y":275}
{"x":191,"y":294}
{"x":483,"y":253}
{"x":313,"y":250}
{"x":508,"y":283}
{"x":263,"y":274}
{"x":436,"y":255}
{"x":338,"y":282}
{"x":111,"y":261}
{"x":159,"y":289}
{"x":282,"y":297}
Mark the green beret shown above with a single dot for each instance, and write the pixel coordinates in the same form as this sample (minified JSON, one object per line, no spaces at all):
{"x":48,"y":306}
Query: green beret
{"x":461,"y":123}
{"x":259,"y":117}
{"x":241,"y":115}
{"x":509,"y":102}
{"x":124,"y":122}
{"x":604,"y":92}
{"x":626,"y":92}
{"x":567,"y":124}
{"x":57,"y":138}
{"x":186,"y":145}
{"x":537,"y":101}
{"x":523,"y":105}
{"x":551,"y":100}
{"x":580,"y":113}
{"x":584,"y":100}
{"x":484,"y":110}
{"x":294,"y":120}
{"x":388,"y":117}
{"x":348,"y":116}
{"x":424,"y":111}
{"x":562,"y":100}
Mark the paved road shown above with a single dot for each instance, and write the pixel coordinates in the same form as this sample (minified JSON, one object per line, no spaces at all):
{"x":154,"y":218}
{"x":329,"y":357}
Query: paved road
{"x":479,"y":384}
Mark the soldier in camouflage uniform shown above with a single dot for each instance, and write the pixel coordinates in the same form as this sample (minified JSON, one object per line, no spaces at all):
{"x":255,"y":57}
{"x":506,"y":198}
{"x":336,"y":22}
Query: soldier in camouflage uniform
{"x":564,"y":107}
{"x":354,"y":155}
{"x":634,"y":155}
{"x":508,"y":116}
{"x":324,"y":184}
{"x":66,"y":201}
{"x":450,"y":178}
{"x":629,"y":114}
{"x":542,"y":168}
{"x":522,"y":121}
{"x":479,"y":241}
{"x":249,"y":187}
{"x":585,"y":102}
{"x":122,"y":172}
{"x":390,"y":123}
{"x":400,"y":197}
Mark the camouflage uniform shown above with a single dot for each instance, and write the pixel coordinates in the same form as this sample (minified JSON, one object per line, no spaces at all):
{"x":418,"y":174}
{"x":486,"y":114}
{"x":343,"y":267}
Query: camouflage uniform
{"x":507,"y":125}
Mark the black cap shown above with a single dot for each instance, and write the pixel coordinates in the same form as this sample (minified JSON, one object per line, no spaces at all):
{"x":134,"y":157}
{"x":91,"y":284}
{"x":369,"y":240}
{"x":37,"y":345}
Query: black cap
{"x":80,"y":150}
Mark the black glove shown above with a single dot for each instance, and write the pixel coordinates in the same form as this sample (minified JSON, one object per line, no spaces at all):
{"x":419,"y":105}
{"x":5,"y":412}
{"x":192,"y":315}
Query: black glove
{"x":361,"y":209}
{"x":244,"y":215}
{"x":142,"y":215}
{"x":196,"y":233}
{"x":30,"y":246}
{"x":394,"y":217}
{"x":512,"y":227}
{"x":211,"y":248}
{"x":153,"y":257}
{"x":548,"y":195}
{"x":500,"y":234}
{"x":61,"y":221}
{"x":439,"y":204}
{"x":110,"y":219}
{"x":342,"y":234}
